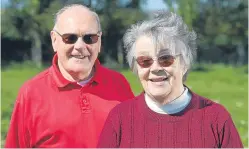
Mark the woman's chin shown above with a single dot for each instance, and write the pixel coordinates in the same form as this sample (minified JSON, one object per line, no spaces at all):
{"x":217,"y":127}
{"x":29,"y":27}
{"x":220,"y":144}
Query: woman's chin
{"x":158,"y":95}
{"x":159,"y":90}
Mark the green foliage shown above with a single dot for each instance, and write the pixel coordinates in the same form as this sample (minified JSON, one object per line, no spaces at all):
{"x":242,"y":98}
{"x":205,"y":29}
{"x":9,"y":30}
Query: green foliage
{"x":220,"y":24}
{"x":22,"y":18}
{"x":30,"y":21}
{"x":224,"y":84}
{"x":187,"y":9}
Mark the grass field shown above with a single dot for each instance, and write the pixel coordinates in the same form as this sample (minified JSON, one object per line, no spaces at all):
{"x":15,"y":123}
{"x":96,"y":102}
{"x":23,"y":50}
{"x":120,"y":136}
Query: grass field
{"x":226,"y":85}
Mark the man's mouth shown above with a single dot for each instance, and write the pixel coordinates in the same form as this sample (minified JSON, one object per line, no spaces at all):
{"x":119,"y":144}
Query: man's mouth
{"x":78,"y":56}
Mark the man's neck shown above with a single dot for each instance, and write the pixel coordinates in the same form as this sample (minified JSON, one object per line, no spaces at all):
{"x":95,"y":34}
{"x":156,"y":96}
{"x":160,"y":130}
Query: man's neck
{"x":75,"y":77}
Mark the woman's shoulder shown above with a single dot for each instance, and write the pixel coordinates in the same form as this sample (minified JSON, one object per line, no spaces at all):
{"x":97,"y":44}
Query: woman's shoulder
{"x":210,"y":107}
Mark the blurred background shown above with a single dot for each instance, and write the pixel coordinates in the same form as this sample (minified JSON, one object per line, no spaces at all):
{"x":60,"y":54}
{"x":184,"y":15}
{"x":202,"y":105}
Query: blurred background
{"x":220,"y":72}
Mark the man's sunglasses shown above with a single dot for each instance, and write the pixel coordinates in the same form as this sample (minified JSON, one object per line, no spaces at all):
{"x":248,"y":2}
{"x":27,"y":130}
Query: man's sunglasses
{"x":147,"y":61}
{"x":70,"y":38}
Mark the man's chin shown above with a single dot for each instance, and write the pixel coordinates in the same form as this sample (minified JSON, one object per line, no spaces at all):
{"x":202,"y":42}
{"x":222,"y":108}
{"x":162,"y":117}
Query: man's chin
{"x":80,"y":70}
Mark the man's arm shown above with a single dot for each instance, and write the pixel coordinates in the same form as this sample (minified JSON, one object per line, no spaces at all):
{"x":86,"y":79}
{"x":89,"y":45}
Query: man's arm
{"x":18,"y":136}
{"x":126,"y":88}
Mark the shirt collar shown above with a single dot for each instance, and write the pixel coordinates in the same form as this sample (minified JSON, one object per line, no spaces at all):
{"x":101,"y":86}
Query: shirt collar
{"x":173,"y":107}
{"x":62,"y":82}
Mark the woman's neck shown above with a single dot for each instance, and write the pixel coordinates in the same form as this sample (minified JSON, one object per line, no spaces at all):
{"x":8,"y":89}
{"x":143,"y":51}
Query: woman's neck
{"x":174,"y":94}
{"x":172,"y":107}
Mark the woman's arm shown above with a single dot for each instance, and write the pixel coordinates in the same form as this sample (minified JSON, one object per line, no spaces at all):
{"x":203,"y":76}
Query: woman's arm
{"x":110,"y":135}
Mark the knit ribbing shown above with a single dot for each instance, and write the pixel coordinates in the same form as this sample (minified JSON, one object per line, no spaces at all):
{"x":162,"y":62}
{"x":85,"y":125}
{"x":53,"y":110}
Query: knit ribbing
{"x":202,"y":124}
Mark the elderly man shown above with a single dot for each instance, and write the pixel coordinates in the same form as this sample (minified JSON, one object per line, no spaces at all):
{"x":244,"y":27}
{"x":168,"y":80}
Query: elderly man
{"x":67,"y":104}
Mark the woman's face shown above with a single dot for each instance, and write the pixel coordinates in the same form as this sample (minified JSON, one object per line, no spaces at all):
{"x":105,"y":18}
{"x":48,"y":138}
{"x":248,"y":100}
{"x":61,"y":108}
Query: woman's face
{"x":163,"y":81}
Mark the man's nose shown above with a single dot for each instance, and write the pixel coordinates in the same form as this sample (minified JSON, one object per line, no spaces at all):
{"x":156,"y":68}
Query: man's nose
{"x":79,"y":43}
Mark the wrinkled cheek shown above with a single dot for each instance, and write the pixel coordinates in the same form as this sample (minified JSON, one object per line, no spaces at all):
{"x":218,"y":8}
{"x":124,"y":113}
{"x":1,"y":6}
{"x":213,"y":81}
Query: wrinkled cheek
{"x":143,"y":73}
{"x":143,"y":76}
{"x":172,"y":81}
{"x":144,"y":85}
{"x":175,"y":81}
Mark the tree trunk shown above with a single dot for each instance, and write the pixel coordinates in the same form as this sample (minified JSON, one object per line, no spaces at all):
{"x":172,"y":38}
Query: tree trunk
{"x":125,"y":63}
{"x":241,"y":53}
{"x":36,"y":51}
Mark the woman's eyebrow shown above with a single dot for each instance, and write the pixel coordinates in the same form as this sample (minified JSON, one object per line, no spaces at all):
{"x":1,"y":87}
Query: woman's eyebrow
{"x":164,"y":52}
{"x":143,"y":52}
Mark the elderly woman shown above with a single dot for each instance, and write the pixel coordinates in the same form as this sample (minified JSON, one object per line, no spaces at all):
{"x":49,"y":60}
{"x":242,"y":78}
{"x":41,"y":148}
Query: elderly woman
{"x":167,"y":114}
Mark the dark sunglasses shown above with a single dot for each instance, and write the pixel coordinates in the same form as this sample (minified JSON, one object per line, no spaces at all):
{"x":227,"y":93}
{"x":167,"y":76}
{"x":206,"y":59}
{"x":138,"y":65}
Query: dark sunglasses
{"x":147,"y":61}
{"x":72,"y":38}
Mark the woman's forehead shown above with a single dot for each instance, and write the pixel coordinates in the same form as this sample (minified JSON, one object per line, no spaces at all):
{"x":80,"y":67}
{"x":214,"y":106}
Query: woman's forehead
{"x":155,"y":50}
{"x":168,"y":46}
{"x":151,"y":45}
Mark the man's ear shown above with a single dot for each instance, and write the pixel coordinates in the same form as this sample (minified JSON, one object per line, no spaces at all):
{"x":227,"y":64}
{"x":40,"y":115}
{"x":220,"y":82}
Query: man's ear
{"x":100,"y":36}
{"x":53,"y":39}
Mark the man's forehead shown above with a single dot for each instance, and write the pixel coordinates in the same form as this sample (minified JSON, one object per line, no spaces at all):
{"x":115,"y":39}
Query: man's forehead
{"x":79,"y":19}
{"x":77,"y":9}
{"x":76,"y":12}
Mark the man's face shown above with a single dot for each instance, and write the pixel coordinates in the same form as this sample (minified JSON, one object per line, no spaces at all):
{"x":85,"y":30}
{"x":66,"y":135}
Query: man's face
{"x":78,"y":57}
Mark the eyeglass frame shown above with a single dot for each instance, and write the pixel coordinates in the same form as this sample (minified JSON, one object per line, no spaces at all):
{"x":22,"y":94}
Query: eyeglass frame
{"x":82,"y":37}
{"x":156,"y":59}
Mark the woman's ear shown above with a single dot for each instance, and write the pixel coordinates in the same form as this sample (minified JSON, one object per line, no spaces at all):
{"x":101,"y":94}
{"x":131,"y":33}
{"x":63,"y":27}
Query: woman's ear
{"x":185,"y":70}
{"x":184,"y":74}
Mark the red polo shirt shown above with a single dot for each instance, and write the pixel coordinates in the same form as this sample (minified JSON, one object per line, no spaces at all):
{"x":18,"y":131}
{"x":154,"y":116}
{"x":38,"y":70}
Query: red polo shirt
{"x":51,"y":111}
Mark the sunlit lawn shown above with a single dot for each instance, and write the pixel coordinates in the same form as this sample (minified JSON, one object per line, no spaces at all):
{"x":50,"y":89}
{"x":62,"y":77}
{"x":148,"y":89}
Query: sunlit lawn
{"x":226,"y":85}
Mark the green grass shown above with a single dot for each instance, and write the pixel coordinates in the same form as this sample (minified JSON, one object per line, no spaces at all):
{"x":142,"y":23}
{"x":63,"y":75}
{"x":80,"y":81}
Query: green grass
{"x":226,"y":85}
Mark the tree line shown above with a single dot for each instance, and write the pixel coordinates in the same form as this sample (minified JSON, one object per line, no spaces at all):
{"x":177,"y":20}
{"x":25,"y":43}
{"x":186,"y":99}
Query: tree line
{"x":221,"y":26}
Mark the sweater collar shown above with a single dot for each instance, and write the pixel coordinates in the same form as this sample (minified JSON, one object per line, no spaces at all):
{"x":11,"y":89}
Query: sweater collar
{"x":173,"y":107}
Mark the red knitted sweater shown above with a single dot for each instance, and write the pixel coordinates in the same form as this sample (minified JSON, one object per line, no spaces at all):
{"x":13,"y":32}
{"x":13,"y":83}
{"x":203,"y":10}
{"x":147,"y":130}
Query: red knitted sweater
{"x":203,"y":124}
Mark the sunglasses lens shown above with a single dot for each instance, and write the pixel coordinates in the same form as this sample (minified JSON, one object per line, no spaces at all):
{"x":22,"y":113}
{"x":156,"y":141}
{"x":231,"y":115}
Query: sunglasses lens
{"x":69,"y":38}
{"x":90,"y":39}
{"x":166,"y":60}
{"x":145,"y":61}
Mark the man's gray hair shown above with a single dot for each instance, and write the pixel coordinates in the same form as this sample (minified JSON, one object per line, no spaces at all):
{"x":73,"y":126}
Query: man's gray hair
{"x":66,"y":7}
{"x":165,"y":29}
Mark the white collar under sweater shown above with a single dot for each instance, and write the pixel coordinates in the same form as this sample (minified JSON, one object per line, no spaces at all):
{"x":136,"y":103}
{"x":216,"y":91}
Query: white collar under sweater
{"x":173,"y":107}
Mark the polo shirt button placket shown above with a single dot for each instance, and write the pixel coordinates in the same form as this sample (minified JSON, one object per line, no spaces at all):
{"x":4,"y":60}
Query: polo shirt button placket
{"x":84,"y":103}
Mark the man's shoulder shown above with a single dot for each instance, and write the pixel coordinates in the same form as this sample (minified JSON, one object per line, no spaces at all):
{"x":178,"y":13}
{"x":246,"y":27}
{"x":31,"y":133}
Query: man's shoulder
{"x":110,"y":72}
{"x":34,"y":85}
{"x":37,"y":79}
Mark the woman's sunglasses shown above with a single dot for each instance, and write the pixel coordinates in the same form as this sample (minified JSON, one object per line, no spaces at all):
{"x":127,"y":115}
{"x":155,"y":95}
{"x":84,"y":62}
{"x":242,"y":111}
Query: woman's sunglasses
{"x":72,"y":38}
{"x":147,"y":61}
